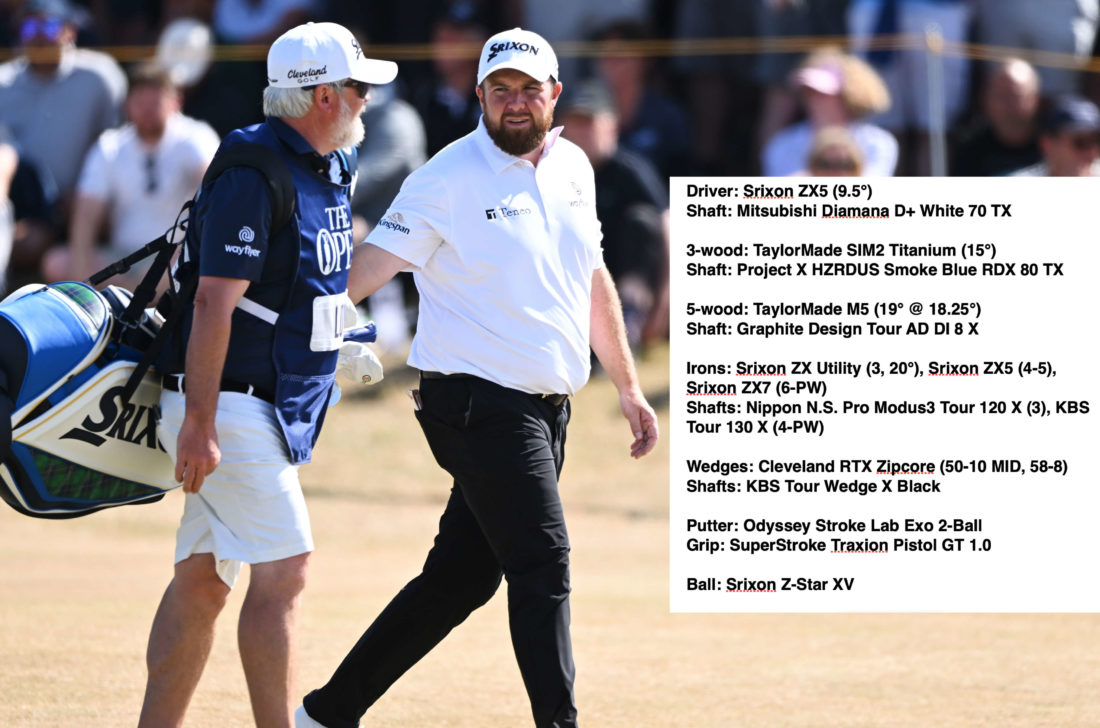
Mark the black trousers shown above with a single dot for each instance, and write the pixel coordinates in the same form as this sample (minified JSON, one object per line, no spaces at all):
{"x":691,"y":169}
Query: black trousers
{"x":505,"y":450}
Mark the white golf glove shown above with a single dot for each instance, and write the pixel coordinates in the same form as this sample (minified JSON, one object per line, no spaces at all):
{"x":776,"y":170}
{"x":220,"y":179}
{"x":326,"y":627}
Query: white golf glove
{"x":358,"y":364}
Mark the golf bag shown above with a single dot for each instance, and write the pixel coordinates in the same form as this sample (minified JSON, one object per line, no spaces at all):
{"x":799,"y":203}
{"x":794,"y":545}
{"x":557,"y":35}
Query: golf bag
{"x":72,"y":443}
{"x":78,"y":394}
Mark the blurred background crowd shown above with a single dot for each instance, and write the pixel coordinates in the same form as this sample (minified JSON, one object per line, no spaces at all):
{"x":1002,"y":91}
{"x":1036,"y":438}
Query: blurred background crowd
{"x":110,"y":110}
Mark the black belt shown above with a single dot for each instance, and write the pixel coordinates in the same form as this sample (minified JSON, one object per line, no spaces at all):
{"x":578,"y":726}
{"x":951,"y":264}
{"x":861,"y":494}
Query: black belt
{"x":174,"y":383}
{"x":557,"y":400}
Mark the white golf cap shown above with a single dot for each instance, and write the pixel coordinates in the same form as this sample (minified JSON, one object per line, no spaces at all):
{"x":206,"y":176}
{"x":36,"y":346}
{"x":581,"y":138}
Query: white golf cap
{"x":317,"y":53}
{"x":521,"y":50}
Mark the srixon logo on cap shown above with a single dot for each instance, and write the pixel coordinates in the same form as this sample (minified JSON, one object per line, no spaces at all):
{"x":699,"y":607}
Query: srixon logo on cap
{"x":511,"y":45}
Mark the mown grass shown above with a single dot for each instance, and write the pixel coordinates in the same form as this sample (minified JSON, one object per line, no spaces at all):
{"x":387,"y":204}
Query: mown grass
{"x":77,"y":598}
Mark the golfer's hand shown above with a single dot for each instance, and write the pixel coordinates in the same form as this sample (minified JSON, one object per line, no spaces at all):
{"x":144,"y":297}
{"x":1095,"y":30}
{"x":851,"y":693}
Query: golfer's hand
{"x":197,"y":454}
{"x":643,"y":422}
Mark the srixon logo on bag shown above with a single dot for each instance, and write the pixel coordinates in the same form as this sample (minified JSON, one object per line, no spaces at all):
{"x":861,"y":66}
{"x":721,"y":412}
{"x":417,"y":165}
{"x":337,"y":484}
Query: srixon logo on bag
{"x":135,"y":424}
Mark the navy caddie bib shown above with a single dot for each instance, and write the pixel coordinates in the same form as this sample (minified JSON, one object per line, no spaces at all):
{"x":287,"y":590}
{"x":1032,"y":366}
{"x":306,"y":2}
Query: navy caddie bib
{"x":303,"y":297}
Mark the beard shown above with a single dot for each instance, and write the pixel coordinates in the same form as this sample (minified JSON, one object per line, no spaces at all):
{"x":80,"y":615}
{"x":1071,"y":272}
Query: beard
{"x":518,"y":142}
{"x":349,"y":129}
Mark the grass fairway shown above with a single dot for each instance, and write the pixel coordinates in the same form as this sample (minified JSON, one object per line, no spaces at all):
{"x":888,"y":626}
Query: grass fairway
{"x":77,"y":598}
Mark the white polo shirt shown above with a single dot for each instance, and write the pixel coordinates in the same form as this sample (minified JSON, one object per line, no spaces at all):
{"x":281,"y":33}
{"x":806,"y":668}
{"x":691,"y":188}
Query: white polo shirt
{"x":145,"y":186}
{"x":503,"y":254}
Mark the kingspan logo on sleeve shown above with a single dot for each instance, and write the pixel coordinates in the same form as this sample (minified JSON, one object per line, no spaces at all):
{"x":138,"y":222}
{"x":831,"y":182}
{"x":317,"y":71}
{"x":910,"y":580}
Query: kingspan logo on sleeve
{"x":394,"y":221}
{"x":580,"y":193}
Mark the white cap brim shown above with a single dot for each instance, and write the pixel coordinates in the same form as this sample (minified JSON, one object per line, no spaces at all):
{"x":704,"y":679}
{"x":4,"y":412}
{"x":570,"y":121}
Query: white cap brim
{"x":521,"y":67}
{"x":371,"y":70}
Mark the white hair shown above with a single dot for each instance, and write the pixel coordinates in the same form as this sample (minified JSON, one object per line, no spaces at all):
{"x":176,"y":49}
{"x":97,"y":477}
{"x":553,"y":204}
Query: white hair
{"x":287,"y":103}
{"x":290,"y":103}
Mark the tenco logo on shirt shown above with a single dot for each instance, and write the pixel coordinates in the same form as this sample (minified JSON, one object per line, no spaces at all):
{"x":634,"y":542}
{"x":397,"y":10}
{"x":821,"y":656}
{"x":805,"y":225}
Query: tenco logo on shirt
{"x":307,"y":75}
{"x":394,"y":221}
{"x":512,"y":45}
{"x":136,"y":425}
{"x":334,"y":244}
{"x":499,"y":213}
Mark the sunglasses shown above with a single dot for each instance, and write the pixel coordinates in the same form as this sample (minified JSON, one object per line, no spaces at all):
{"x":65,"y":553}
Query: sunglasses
{"x":41,"y":27}
{"x":1085,"y":142}
{"x":834,"y":165}
{"x":150,"y":174}
{"x":362,"y":88}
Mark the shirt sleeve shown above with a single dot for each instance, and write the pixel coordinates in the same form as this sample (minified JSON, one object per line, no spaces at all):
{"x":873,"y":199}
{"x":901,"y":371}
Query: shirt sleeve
{"x":417,"y":222}
{"x":201,"y":146}
{"x":204,"y":143}
{"x":94,"y":178}
{"x":236,"y":224}
{"x":114,"y":87}
{"x":596,"y":234}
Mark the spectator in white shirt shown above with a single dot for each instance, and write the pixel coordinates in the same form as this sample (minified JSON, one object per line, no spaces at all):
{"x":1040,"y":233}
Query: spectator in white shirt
{"x":135,"y":178}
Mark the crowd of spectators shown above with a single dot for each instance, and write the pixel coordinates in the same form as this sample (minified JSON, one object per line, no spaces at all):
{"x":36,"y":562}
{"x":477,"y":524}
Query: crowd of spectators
{"x":833,"y":99}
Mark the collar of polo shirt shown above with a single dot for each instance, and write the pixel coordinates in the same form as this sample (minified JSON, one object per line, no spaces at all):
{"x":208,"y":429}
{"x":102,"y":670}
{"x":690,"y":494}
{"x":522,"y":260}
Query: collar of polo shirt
{"x":498,"y":159}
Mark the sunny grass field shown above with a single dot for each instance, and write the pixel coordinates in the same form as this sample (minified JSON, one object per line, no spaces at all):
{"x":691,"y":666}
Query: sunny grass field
{"x":77,"y":598}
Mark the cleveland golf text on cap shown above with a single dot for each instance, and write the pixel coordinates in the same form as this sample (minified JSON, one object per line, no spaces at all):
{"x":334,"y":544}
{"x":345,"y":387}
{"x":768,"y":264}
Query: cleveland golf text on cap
{"x":317,"y":53}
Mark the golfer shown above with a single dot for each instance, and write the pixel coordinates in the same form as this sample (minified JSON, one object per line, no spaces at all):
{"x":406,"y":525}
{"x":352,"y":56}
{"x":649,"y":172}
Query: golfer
{"x":500,"y":231}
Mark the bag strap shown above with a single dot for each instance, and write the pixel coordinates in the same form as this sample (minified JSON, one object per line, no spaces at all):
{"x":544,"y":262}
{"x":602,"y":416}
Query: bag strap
{"x":283,"y":195}
{"x":150,"y":248}
{"x":274,"y":169}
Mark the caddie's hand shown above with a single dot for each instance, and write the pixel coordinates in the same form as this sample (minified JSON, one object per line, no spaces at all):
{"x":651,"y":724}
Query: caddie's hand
{"x":358,"y":364}
{"x":197,"y":455}
{"x":643,"y":422}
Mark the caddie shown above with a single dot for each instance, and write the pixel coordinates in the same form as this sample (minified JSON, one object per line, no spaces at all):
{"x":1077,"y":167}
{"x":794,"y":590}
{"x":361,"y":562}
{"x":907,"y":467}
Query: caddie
{"x":253,"y":369}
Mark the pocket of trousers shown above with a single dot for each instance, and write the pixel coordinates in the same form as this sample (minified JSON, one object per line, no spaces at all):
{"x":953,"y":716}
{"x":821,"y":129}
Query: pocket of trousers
{"x":444,"y":417}
{"x":446,"y":401}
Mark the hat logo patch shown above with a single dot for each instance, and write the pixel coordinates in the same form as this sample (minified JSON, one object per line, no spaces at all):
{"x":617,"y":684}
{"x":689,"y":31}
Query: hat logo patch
{"x":306,"y":75}
{"x":511,"y":46}
{"x":358,"y":50}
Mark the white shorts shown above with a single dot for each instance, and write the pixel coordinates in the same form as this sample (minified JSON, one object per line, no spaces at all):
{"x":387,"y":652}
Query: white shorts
{"x":250,"y":509}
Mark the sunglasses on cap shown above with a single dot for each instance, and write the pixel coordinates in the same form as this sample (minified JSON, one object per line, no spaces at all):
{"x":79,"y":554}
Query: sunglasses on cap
{"x":41,"y":27}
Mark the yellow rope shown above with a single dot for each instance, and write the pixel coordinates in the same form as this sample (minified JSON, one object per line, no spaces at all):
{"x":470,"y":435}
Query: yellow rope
{"x":670,"y":48}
